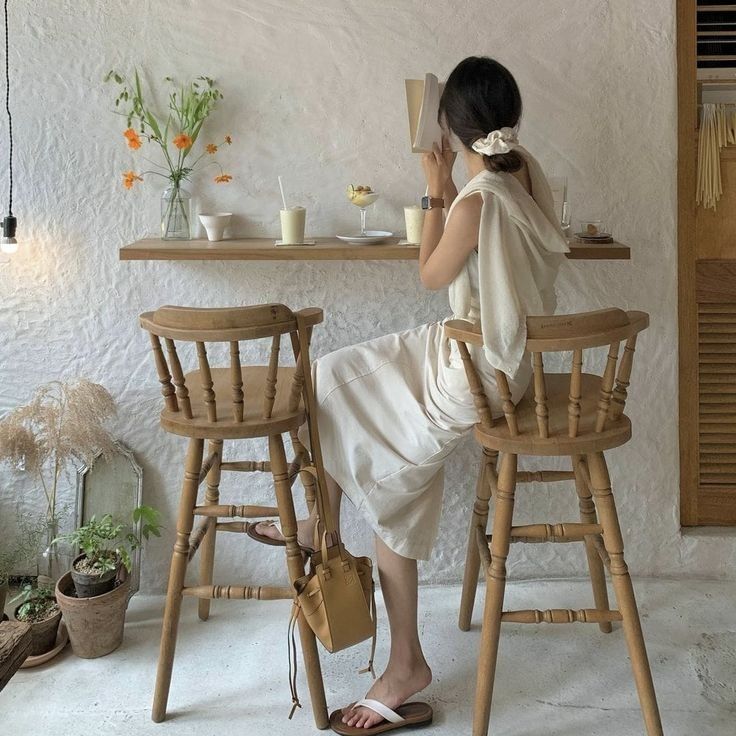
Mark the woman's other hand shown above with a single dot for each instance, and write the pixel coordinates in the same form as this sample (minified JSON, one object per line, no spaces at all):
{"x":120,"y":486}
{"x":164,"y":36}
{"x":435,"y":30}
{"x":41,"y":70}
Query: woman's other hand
{"x":437,"y":167}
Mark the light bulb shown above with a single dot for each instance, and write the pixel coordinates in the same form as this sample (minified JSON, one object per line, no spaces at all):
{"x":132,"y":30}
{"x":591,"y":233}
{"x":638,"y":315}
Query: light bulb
{"x":8,"y":245}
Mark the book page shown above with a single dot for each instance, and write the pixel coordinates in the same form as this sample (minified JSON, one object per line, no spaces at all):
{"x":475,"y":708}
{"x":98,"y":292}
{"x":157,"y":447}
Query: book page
{"x":414,"y":94}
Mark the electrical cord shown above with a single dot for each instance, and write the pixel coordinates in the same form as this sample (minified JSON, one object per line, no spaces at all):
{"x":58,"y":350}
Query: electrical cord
{"x":7,"y":109}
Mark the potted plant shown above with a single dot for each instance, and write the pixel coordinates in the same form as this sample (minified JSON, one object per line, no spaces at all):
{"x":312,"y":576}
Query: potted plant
{"x":106,"y":547}
{"x":93,"y":595}
{"x":39,"y":608}
{"x":63,"y":422}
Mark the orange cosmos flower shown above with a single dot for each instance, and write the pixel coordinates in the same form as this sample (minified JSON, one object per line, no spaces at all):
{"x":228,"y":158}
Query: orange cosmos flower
{"x":182,"y":141}
{"x":211,"y":148}
{"x":223,"y":179}
{"x":228,"y":140}
{"x":129,"y":178}
{"x":133,"y":139}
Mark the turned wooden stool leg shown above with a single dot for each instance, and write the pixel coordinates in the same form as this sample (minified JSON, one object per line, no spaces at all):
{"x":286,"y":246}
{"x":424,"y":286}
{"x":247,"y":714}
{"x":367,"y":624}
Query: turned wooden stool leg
{"x":479,"y":518}
{"x":495,"y":587}
{"x":601,"y":487}
{"x":595,"y":564}
{"x":295,"y":565}
{"x":207,"y":551}
{"x":178,"y":570}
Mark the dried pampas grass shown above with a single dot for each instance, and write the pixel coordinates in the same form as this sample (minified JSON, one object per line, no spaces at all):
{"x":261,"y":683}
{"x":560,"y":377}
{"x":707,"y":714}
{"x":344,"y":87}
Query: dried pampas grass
{"x":63,"y":422}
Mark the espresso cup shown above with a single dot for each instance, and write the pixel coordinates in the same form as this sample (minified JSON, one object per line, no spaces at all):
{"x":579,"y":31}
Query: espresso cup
{"x":292,"y":225}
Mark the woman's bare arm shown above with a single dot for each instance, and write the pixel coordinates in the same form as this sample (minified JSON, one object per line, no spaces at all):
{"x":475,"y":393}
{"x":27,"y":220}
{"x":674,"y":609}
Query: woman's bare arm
{"x":443,"y":252}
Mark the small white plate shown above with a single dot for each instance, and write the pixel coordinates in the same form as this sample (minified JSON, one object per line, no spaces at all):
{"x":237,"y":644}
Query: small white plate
{"x":371,"y":237}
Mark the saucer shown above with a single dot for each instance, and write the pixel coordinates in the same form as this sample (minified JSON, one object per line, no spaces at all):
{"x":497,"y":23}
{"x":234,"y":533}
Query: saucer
{"x":371,"y":237}
{"x":600,"y":236}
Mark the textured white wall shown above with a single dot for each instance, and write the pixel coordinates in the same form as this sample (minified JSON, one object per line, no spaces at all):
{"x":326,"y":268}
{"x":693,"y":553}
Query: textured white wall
{"x":314,"y":91}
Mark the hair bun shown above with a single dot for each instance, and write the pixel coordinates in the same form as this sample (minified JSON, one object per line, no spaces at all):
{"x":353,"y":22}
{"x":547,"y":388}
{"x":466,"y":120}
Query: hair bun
{"x":510,"y":162}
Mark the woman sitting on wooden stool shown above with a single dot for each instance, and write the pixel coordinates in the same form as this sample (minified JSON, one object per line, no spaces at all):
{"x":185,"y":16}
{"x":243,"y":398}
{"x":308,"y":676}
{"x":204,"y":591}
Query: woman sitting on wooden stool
{"x":391,"y":410}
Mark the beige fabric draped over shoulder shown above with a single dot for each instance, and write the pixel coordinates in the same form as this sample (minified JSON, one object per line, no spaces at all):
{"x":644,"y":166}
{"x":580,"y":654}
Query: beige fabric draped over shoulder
{"x":392,"y":409}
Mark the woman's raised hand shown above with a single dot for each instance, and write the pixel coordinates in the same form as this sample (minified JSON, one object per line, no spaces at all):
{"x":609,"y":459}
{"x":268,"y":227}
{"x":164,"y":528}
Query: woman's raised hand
{"x":437,"y":167}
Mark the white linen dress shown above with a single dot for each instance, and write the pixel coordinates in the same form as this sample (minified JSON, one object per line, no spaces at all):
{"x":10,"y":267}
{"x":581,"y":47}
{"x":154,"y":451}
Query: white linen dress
{"x":391,"y":410}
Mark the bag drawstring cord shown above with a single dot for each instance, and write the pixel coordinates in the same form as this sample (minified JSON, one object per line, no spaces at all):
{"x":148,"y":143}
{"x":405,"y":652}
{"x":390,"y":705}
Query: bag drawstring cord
{"x":374,"y":616}
{"x":291,"y":641}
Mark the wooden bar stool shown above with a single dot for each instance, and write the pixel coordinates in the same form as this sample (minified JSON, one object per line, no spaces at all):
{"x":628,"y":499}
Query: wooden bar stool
{"x":232,"y":403}
{"x":578,"y":415}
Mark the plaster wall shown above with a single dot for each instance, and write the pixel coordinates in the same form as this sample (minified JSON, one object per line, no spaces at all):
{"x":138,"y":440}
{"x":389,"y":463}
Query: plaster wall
{"x":314,"y":91}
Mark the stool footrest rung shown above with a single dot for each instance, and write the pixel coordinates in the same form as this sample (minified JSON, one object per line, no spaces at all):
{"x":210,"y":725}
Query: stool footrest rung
{"x":232,"y":526}
{"x":544,"y":476}
{"x":196,"y":537}
{"x":245,"y":512}
{"x":560,"y":616}
{"x":602,"y":552}
{"x":240,"y":592}
{"x":573,"y":532}
{"x":483,"y":541}
{"x":207,"y":466}
{"x":247,"y":466}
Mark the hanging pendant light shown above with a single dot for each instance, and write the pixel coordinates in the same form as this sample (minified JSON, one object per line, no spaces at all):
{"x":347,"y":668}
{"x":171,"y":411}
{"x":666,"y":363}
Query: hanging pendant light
{"x":8,"y":243}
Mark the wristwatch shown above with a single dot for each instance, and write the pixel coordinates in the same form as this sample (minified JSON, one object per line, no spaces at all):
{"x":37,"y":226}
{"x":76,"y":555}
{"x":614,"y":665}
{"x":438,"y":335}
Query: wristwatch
{"x":430,"y":203}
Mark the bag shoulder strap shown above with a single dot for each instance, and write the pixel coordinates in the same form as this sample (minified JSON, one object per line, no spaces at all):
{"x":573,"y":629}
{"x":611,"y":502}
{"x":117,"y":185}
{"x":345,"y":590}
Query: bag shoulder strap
{"x":310,"y":407}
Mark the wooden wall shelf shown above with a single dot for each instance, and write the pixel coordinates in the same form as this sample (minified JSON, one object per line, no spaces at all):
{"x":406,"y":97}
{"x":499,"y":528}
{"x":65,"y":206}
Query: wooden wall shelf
{"x":326,"y":249}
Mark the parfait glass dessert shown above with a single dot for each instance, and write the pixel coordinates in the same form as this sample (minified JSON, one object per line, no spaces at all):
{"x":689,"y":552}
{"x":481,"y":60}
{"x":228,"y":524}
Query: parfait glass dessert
{"x":362,"y":197}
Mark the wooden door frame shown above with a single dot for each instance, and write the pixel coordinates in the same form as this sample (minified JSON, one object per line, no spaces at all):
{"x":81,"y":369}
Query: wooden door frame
{"x":687,"y":121}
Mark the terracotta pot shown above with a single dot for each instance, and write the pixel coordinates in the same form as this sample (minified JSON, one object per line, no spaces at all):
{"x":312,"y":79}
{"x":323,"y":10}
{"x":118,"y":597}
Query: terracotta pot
{"x":95,"y":624}
{"x":43,"y":633}
{"x":89,"y":586}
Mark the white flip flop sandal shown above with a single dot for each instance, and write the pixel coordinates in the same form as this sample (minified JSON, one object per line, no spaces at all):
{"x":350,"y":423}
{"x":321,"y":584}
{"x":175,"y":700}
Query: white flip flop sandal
{"x":405,"y":716}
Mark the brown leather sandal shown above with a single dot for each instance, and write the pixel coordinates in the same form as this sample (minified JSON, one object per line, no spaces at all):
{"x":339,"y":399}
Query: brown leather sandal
{"x":250,"y":530}
{"x":407,"y":715}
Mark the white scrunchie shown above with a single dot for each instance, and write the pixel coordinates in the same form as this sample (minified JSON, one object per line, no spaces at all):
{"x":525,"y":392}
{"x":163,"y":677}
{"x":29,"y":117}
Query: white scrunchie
{"x":496,"y":142}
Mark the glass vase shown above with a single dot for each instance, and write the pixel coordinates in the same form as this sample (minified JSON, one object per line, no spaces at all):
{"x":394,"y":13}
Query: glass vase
{"x":175,"y":213}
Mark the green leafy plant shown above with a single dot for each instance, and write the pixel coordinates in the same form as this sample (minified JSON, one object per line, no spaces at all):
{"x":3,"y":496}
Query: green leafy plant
{"x":36,"y":602}
{"x":107,"y":542}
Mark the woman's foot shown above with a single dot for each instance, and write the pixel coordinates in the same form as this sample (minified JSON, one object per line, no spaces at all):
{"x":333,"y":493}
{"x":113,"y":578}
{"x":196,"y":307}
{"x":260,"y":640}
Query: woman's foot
{"x":392,"y":688}
{"x":305,"y":532}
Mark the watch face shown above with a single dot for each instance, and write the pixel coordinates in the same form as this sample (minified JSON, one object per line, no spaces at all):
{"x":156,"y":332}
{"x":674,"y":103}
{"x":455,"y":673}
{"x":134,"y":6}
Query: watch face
{"x":425,"y":203}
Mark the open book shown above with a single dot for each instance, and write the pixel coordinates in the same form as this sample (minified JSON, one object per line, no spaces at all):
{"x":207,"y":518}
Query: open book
{"x":423,"y":104}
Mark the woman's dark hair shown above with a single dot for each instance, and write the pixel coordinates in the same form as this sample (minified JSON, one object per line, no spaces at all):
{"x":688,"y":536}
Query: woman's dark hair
{"x":480,"y":96}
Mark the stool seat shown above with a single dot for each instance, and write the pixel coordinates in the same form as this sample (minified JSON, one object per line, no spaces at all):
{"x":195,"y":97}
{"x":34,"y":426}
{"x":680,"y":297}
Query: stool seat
{"x":528,"y":442}
{"x":254,"y":424}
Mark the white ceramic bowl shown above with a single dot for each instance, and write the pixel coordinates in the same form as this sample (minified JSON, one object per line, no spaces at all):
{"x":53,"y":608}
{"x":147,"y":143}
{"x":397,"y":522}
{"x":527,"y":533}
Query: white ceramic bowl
{"x":215,"y":224}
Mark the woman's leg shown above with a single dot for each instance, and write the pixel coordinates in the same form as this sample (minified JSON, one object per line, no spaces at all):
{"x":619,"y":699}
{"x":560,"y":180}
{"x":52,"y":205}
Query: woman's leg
{"x":407,"y":671}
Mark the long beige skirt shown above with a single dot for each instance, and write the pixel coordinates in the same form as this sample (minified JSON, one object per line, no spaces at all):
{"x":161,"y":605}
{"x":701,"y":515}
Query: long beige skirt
{"x":390,"y":411}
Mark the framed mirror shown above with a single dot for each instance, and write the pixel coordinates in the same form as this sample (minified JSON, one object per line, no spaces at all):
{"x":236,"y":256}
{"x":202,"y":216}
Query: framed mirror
{"x":112,"y":486}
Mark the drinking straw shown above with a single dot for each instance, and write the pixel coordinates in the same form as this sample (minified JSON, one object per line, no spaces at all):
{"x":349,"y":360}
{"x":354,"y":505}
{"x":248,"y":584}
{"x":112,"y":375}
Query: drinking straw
{"x":283,"y":198}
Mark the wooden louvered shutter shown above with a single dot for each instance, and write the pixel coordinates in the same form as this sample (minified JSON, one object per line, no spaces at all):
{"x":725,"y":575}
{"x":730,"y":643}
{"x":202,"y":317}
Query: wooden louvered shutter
{"x":716,"y":303}
{"x":716,"y":39}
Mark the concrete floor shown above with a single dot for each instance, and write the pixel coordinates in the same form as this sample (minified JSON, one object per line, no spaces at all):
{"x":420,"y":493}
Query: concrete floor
{"x":230,"y":673}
